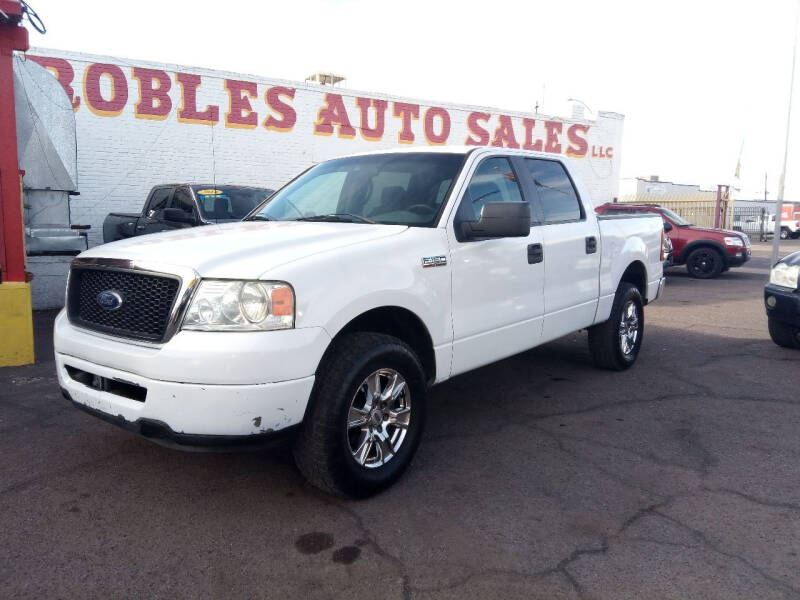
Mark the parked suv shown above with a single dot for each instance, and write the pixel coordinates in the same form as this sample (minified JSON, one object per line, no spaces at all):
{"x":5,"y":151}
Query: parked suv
{"x":706,"y":252}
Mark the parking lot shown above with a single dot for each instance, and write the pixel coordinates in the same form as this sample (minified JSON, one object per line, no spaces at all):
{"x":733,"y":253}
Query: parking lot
{"x":539,"y":477}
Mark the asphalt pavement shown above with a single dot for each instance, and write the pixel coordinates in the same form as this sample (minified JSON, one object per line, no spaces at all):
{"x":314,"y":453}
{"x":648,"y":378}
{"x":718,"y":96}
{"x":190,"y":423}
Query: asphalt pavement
{"x":538,"y":477}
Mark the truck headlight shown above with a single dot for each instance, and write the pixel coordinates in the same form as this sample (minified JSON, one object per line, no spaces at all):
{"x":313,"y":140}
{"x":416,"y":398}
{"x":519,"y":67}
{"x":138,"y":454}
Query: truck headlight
{"x":785,"y":275}
{"x":225,"y":305}
{"x":734,"y":241}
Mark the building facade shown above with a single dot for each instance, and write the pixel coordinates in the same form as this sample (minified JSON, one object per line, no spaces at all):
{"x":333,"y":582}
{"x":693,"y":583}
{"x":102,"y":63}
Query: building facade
{"x":140,"y":123}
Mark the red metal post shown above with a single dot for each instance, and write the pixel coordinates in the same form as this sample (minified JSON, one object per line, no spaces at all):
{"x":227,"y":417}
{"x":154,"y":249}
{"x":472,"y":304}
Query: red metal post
{"x":12,"y":251}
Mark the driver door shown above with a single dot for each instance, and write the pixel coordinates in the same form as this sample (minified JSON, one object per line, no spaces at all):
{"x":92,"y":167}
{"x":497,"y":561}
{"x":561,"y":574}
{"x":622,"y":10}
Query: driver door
{"x":498,"y":284}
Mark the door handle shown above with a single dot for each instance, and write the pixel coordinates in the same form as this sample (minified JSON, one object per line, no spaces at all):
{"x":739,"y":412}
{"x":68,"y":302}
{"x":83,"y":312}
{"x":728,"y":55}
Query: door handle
{"x":591,"y":244}
{"x":535,"y":254}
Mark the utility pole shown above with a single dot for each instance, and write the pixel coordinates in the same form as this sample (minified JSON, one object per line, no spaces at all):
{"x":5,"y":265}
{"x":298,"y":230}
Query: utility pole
{"x":776,"y":240}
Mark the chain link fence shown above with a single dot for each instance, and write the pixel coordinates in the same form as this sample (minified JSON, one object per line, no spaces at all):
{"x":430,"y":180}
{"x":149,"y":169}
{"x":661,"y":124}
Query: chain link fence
{"x":755,"y":221}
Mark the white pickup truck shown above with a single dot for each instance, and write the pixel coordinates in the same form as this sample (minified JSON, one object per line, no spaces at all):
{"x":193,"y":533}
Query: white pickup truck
{"x":332,"y":308}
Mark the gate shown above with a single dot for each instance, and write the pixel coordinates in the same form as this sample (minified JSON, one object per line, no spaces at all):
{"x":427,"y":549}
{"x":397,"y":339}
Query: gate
{"x":754,"y":221}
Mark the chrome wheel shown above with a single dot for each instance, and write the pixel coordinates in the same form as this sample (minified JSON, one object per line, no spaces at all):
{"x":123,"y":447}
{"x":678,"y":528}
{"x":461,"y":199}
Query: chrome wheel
{"x":378,"y":418}
{"x":629,"y":328}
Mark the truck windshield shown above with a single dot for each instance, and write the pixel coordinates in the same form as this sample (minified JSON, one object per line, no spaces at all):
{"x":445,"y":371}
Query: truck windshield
{"x":394,"y":189}
{"x":675,"y":217}
{"x":228,"y":202}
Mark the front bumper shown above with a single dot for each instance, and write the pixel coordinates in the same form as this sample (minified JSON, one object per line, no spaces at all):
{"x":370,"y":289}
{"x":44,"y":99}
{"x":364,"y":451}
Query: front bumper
{"x":785,"y":304}
{"x":739,"y":258}
{"x":197,"y":385}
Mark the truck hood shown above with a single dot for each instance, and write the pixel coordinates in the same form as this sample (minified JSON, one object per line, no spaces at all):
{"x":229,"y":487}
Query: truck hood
{"x":245,"y":250}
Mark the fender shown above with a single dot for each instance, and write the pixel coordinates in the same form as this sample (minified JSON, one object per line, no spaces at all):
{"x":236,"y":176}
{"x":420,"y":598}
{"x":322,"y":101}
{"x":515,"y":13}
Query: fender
{"x":632,"y":250}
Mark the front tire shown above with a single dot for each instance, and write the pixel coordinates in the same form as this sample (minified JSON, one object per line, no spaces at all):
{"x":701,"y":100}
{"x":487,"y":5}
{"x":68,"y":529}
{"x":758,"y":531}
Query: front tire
{"x":615,"y":344}
{"x":784,"y":233}
{"x":783,"y":334}
{"x":705,"y":263}
{"x":365,"y":418}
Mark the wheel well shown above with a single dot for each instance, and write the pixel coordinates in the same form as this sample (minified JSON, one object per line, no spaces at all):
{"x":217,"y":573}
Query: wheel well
{"x":402,"y":324}
{"x":705,"y":244}
{"x":637,"y":275}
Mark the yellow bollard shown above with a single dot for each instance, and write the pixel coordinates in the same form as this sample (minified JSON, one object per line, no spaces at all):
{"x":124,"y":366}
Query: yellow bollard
{"x":16,"y":324}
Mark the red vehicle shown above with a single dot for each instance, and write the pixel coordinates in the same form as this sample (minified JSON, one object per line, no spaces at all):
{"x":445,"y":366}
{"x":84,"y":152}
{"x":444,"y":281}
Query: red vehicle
{"x":706,"y":252}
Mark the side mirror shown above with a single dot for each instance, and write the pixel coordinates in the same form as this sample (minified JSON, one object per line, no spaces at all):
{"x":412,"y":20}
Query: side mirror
{"x":667,"y":226}
{"x":178,"y":216}
{"x":498,"y":220}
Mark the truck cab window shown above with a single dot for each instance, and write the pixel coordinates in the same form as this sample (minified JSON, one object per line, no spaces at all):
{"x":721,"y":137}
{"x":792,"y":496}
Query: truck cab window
{"x":158,"y":201}
{"x":182,"y":200}
{"x":493,"y":181}
{"x":557,"y":196}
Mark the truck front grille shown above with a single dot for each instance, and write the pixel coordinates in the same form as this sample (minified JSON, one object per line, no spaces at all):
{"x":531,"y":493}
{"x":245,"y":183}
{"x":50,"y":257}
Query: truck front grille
{"x":124,"y":303}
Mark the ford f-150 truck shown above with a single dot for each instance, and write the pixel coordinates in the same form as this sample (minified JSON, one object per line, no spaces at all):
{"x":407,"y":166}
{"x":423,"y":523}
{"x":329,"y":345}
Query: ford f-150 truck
{"x":177,"y":206}
{"x":332,"y":307}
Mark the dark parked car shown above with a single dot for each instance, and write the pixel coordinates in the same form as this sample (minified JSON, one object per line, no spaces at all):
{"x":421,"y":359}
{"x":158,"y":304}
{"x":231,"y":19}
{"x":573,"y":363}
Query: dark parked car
{"x":782,"y":299}
{"x":180,"y":205}
{"x":705,"y":251}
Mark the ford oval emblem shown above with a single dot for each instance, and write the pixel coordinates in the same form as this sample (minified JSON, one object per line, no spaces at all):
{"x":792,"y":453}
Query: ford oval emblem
{"x":109,"y":300}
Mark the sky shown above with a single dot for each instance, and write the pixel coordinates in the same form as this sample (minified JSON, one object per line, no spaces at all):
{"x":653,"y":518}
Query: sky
{"x":698,"y":81}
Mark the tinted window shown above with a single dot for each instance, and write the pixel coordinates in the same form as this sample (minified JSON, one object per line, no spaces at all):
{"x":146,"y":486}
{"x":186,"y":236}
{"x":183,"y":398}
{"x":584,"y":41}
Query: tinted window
{"x":674,"y":217}
{"x":182,"y":200}
{"x":557,"y":196}
{"x":393,"y":188}
{"x":158,"y":200}
{"x":493,"y":181}
{"x":228,"y":202}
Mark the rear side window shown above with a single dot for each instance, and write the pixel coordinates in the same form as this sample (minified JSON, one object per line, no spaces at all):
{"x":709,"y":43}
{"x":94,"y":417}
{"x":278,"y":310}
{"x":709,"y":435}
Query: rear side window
{"x":557,"y":196}
{"x":493,"y":181}
{"x":158,"y":200}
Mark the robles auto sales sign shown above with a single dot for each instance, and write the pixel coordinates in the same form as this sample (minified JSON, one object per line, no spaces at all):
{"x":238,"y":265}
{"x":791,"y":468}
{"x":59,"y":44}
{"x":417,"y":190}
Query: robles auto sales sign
{"x":280,"y":127}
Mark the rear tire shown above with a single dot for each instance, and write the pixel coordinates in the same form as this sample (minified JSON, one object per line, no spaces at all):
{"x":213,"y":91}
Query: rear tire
{"x":783,"y":334}
{"x":705,"y":263}
{"x":615,"y":344}
{"x":784,"y":233}
{"x":360,"y":431}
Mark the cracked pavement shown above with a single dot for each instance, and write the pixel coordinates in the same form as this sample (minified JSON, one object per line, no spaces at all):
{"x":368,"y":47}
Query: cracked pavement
{"x":538,"y":477}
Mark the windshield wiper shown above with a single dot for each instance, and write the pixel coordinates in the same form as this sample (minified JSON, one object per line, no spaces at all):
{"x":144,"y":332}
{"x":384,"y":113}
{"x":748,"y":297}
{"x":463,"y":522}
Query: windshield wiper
{"x":338,"y":218}
{"x":259,"y":218}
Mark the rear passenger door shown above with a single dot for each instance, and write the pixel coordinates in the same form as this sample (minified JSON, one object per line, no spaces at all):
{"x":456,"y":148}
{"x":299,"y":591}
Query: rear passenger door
{"x":152,"y":220}
{"x":571,"y":244}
